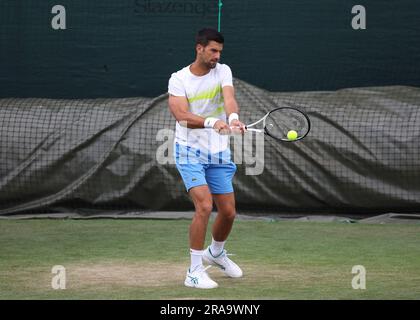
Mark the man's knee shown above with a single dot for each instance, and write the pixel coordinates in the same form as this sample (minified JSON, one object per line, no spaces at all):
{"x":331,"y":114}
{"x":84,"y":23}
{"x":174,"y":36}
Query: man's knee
{"x":228,"y":212}
{"x":204,"y":208}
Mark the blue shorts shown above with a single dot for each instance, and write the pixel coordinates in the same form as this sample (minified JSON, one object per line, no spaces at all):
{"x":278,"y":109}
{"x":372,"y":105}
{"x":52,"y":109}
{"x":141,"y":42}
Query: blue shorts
{"x":199,"y":168}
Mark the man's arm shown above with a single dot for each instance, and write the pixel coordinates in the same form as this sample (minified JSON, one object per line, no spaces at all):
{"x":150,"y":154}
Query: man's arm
{"x":231,"y":107}
{"x":179,"y":109}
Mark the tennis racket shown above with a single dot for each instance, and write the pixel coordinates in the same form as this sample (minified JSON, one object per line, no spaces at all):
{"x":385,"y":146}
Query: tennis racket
{"x":280,"y":121}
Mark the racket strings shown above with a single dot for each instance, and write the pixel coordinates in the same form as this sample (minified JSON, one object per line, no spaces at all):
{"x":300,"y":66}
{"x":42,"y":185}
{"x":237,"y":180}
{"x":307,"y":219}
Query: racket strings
{"x":279,"y":122}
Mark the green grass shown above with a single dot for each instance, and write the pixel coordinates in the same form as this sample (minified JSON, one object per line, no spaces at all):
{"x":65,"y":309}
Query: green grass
{"x":147,"y":259}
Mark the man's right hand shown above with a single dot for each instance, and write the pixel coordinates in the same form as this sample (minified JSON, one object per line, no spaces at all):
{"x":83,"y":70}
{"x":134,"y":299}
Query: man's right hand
{"x":221,"y":127}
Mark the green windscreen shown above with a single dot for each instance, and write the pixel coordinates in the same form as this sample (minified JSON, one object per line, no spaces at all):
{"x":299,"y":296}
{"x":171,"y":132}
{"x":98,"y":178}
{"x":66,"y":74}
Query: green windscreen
{"x":129,"y":48}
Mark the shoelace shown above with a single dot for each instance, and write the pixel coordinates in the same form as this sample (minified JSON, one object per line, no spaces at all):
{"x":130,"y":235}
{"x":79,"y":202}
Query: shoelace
{"x":202,"y":269}
{"x":205,"y":268}
{"x":224,"y":253}
{"x":204,"y":273}
{"x":225,"y":256}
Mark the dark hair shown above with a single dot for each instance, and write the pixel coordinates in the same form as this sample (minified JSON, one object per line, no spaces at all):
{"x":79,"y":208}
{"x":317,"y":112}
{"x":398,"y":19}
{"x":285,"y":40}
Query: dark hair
{"x":204,"y":36}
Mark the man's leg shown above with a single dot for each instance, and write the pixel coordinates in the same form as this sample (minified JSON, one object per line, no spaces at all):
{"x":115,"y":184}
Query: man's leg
{"x":197,"y":276}
{"x":193,"y":176}
{"x":215,"y":253}
{"x":203,"y":204}
{"x":226,"y":212}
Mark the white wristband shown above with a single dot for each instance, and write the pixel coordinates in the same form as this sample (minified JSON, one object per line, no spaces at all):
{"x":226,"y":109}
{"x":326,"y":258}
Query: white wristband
{"x":233,"y":116}
{"x":210,"y":122}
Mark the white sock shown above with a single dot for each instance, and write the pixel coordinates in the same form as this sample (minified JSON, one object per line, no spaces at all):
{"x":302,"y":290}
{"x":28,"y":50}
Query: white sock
{"x":216,"y":247}
{"x":196,"y":258}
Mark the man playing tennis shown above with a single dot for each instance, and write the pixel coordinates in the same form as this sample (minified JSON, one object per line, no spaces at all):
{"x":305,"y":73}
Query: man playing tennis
{"x":202,"y":100}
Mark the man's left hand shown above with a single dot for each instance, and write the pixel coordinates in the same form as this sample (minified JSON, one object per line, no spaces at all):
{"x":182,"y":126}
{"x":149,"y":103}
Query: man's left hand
{"x":237,"y":125}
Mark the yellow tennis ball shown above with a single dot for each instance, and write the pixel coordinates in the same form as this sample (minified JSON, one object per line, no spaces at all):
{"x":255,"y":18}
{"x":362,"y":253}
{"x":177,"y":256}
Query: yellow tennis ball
{"x":292,"y":135}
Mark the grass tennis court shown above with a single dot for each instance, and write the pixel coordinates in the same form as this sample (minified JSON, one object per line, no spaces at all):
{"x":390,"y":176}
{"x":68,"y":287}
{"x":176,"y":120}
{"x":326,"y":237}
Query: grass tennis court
{"x":147,"y":259}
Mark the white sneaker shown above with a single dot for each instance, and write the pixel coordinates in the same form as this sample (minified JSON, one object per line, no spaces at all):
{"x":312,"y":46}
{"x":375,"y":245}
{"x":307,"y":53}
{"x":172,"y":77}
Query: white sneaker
{"x":222,"y":261}
{"x":199,"y":279}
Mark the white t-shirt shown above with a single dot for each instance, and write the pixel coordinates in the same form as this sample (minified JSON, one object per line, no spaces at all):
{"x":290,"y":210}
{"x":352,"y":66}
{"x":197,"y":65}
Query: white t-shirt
{"x":205,"y":98}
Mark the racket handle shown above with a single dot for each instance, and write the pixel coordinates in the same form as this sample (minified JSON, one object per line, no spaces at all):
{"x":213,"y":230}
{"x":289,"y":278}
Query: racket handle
{"x":255,"y":130}
{"x":236,"y":129}
{"x":247,"y":129}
